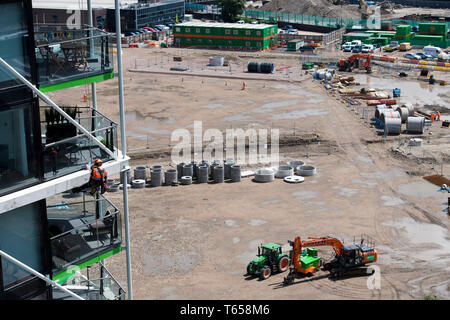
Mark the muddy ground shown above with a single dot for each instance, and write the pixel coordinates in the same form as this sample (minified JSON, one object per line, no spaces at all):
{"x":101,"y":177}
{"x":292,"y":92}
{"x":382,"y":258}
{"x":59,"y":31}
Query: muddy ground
{"x":194,"y":242}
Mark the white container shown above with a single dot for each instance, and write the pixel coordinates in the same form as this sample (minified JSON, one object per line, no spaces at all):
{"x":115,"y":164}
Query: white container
{"x":216,"y":61}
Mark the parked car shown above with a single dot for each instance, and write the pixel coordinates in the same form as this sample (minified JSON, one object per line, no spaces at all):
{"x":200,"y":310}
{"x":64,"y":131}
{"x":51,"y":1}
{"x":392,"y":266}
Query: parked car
{"x":347,"y":48}
{"x":254,"y":22}
{"x":411,"y":56}
{"x":288,"y":27}
{"x":292,"y":31}
{"x":241,"y":22}
{"x":423,"y":56}
{"x":367,"y":48}
{"x":357,"y":49}
{"x":282,"y":31}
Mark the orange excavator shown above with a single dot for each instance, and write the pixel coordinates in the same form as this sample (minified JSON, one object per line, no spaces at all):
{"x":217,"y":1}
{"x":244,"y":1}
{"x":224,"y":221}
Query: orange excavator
{"x":361,"y":61}
{"x":348,"y":260}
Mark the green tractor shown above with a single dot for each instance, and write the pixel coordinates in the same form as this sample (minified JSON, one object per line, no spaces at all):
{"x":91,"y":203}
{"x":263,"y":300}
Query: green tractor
{"x":270,"y":259}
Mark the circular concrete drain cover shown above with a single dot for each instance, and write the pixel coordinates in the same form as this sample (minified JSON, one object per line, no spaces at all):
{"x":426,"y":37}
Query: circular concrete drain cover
{"x":294,"y":179}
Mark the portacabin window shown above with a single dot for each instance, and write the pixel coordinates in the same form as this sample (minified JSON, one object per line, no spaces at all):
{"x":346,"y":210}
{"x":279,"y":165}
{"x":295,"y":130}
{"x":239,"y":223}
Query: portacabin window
{"x":258,"y":33}
{"x":207,"y":30}
{"x":188,"y":29}
{"x":197,"y":30}
{"x":227,"y":31}
{"x":177,"y":29}
{"x":235,"y":32}
{"x":247,"y":32}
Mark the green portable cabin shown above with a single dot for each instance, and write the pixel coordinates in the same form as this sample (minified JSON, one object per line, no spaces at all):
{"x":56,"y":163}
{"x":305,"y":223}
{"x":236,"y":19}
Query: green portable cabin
{"x":428,"y":37}
{"x":403,"y":30}
{"x":433,"y":28}
{"x":294,"y":45}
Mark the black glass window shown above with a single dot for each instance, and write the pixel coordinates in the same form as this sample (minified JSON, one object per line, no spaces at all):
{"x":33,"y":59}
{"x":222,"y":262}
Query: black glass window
{"x":22,"y":236}
{"x":18,"y":161}
{"x":13,"y":41}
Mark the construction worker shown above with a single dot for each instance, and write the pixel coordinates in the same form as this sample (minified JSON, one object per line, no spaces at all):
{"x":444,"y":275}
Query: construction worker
{"x":98,"y":178}
{"x":438,"y":116}
{"x":432,"y":117}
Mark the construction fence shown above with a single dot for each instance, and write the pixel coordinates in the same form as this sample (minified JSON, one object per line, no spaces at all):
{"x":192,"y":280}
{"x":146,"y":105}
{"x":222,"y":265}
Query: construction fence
{"x":305,"y":19}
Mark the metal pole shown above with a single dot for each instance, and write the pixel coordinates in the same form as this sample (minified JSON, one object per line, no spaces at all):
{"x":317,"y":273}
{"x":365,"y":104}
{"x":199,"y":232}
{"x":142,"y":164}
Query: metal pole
{"x":124,"y":149}
{"x":54,"y":106}
{"x":39,"y":275}
{"x":91,"y":52}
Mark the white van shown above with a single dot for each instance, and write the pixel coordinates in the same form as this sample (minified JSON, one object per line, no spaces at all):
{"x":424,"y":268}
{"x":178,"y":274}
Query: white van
{"x":435,"y":52}
{"x":367,"y":48}
{"x":356,"y":42}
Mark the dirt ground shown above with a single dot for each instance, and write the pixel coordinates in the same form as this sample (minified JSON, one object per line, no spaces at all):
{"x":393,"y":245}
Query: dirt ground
{"x":194,"y":242}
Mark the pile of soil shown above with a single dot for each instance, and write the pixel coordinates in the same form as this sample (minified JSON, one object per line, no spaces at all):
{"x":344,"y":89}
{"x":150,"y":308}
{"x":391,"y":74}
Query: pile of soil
{"x":321,"y":8}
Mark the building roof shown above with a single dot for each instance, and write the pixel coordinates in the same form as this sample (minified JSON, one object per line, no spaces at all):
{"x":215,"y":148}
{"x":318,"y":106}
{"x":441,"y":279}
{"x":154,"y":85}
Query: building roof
{"x":77,"y":4}
{"x":224,"y":25}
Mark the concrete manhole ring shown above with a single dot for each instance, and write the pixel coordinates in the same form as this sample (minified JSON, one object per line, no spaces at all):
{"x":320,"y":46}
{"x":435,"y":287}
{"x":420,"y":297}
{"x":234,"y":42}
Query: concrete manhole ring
{"x":284,"y":171}
{"x":264,"y":175}
{"x":306,"y":171}
{"x":293,"y":179}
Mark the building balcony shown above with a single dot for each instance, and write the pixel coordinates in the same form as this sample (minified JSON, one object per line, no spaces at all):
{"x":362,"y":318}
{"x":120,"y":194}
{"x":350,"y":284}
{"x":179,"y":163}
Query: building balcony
{"x":106,"y":287}
{"x":66,"y":149}
{"x":82,"y":233}
{"x":71,"y":57}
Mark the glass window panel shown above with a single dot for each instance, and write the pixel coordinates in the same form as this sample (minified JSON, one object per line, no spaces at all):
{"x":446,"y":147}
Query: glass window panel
{"x":21,"y":236}
{"x":13,"y":38}
{"x":18,"y":163}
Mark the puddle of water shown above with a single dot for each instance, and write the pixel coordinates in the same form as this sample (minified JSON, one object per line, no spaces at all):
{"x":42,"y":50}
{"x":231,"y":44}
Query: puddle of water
{"x":391,"y":201}
{"x":421,"y":189}
{"x":304,"y":195}
{"x":269,"y":107}
{"x":215,"y":106}
{"x":231,"y":223}
{"x":149,"y":129}
{"x":236,"y":118}
{"x":296,"y":114}
{"x":416,"y":92}
{"x":395,"y":172}
{"x":250,"y":254}
{"x":270,"y":202}
{"x":346,"y":192}
{"x":257,"y":222}
{"x":165,"y":264}
{"x":315,"y":203}
{"x":131,"y":116}
{"x":420,"y":234}
{"x":370,"y":184}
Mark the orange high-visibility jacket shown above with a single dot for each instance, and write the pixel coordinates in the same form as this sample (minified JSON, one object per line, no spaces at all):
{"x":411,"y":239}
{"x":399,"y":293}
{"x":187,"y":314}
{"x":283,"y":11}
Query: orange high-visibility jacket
{"x":98,"y":174}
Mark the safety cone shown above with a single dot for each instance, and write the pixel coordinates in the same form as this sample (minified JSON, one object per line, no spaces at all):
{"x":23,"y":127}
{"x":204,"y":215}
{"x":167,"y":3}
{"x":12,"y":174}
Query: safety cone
{"x":243,"y":85}
{"x":84,"y":98}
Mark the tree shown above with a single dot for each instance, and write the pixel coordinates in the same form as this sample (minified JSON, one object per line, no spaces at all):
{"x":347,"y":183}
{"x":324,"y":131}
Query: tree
{"x":231,"y":9}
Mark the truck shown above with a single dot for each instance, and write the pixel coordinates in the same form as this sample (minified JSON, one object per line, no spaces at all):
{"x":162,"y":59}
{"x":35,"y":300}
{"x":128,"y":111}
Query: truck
{"x":436,"y":52}
{"x":391,"y":46}
{"x":270,"y":259}
{"x":405,"y":46}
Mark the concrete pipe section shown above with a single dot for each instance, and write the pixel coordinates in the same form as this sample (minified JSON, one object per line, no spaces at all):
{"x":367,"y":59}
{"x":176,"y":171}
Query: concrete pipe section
{"x":306,"y":171}
{"x":218,"y":174}
{"x":202,"y":173}
{"x":284,"y":171}
{"x":235,"y":173}
{"x":156,"y":176}
{"x":188,"y":170}
{"x":185,"y":180}
{"x":170,"y":176}
{"x":293,"y":179}
{"x":228,"y":163}
{"x":140,"y":173}
{"x":194,"y":169}
{"x":264,"y":175}
{"x":121,"y":186}
{"x":180,"y":169}
{"x":110,"y":182}
{"x":296,"y":164}
{"x":138,"y":183}
{"x":113,"y":188}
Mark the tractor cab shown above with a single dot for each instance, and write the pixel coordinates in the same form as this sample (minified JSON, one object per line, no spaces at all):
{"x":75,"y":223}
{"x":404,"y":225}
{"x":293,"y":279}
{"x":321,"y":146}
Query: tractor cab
{"x":270,"y":259}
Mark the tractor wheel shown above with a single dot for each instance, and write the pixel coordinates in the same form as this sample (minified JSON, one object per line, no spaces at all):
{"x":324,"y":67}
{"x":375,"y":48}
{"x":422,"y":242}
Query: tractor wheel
{"x":283,"y":264}
{"x":249,"y":269}
{"x":266,"y":272}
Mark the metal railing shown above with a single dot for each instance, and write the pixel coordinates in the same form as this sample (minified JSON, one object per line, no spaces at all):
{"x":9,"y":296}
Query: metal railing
{"x":66,"y":150}
{"x":47,"y":100}
{"x":39,"y":275}
{"x":64,"y":54}
{"x":301,"y":18}
{"x":82,"y":230}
